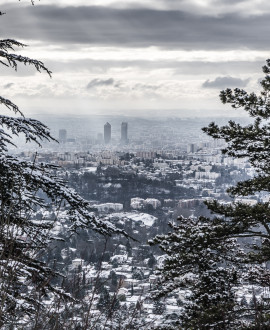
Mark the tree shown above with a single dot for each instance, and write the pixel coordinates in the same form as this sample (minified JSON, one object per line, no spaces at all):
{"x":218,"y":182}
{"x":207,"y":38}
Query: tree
{"x":151,"y":262}
{"x":114,"y":280}
{"x":193,"y":255}
{"x":213,"y":257}
{"x":24,"y":279}
{"x":104,"y":301}
{"x":159,"y":307}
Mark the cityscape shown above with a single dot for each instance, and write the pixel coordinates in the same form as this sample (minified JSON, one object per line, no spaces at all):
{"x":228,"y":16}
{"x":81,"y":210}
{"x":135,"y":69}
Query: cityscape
{"x":140,"y":179}
{"x":140,"y":188}
{"x":134,"y":165}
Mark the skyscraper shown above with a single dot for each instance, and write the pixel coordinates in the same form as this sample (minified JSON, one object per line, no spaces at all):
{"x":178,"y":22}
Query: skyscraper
{"x":124,"y":132}
{"x":62,"y":135}
{"x":107,"y":133}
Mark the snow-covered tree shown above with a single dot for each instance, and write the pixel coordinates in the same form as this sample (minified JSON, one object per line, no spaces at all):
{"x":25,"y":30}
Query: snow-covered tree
{"x":214,"y":257}
{"x":24,"y":279}
{"x":193,"y":258}
{"x":159,"y":307}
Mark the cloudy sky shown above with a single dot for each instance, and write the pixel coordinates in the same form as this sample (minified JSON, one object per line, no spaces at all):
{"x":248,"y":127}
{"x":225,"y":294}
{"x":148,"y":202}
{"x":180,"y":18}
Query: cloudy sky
{"x":143,"y":57}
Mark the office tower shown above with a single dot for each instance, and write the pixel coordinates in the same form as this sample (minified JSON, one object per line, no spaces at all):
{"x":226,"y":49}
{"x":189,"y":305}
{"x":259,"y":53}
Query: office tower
{"x":191,"y":148}
{"x":62,"y":135}
{"x":107,"y":133}
{"x":124,"y":133}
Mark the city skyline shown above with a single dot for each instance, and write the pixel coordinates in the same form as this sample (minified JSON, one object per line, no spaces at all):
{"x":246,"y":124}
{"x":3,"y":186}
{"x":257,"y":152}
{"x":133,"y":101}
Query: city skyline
{"x":87,"y":134}
{"x":146,"y":58}
{"x":107,"y":133}
{"x":124,"y":133}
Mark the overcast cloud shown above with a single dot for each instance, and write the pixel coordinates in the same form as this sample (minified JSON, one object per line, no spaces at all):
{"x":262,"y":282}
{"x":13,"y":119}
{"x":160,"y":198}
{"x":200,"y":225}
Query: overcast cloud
{"x":145,"y":53}
{"x":136,"y":27}
{"x":6,"y":86}
{"x":100,"y":82}
{"x":225,"y":82}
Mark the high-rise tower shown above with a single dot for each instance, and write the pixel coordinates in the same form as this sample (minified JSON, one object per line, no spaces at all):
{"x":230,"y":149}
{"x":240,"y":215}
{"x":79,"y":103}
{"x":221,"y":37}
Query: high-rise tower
{"x":124,"y":132}
{"x":62,"y":135}
{"x":107,"y":133}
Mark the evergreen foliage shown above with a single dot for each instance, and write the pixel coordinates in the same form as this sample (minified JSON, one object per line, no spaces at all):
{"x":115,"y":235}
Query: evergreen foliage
{"x":24,"y":188}
{"x":104,"y":301}
{"x":159,"y":307}
{"x":215,"y":257}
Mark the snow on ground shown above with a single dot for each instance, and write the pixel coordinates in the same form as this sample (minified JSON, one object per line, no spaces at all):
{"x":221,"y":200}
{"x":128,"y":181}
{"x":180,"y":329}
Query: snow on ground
{"x":90,"y":169}
{"x":147,"y":219}
{"x":133,"y":299}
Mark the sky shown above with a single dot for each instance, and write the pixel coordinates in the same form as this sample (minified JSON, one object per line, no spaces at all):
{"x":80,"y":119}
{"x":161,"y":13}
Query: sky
{"x":135,"y":58}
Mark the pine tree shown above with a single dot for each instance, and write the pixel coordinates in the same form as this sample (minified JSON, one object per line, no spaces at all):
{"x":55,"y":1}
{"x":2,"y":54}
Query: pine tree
{"x":151,"y":262}
{"x":159,"y":307}
{"x":205,"y":255}
{"x":193,"y":259}
{"x":24,"y":279}
{"x":114,"y":280}
{"x":104,"y":301}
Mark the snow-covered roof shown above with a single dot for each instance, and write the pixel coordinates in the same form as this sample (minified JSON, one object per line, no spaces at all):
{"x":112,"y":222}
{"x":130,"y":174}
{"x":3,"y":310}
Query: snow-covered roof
{"x":147,"y":219}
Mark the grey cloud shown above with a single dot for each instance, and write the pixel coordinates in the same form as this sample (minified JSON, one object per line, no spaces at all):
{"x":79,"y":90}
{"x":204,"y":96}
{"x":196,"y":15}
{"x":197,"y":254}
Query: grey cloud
{"x":227,"y":2}
{"x":100,"y":82}
{"x":135,"y":27}
{"x":146,"y":87}
{"x":224,"y":82}
{"x":6,"y":86}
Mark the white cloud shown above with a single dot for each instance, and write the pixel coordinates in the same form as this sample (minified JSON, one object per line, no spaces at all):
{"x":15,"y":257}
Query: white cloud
{"x":81,"y":52}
